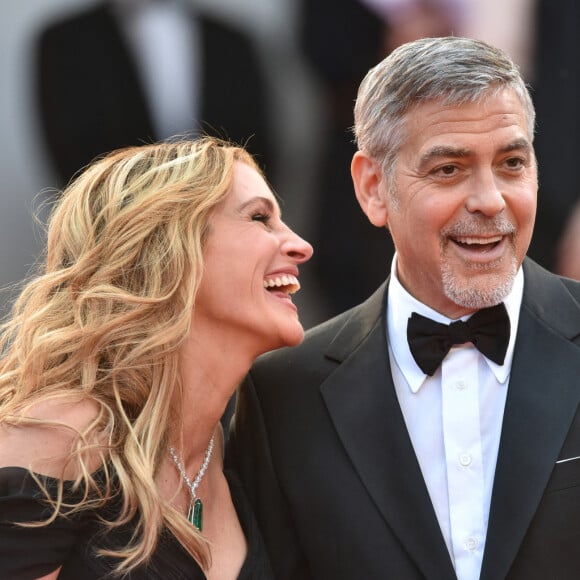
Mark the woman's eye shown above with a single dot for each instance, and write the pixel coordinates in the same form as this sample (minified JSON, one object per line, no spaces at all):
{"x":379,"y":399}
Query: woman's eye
{"x":261,"y":217}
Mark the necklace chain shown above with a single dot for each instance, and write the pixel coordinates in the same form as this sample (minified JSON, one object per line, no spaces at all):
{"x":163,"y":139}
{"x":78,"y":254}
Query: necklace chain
{"x":193,"y":485}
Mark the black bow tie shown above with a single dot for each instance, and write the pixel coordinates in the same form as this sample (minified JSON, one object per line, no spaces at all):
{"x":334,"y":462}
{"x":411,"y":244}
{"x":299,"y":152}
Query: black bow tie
{"x":430,"y":341}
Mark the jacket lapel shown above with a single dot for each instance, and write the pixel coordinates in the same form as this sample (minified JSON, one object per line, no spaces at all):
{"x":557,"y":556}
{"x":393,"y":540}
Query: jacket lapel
{"x":542,"y":400}
{"x":364,"y":408}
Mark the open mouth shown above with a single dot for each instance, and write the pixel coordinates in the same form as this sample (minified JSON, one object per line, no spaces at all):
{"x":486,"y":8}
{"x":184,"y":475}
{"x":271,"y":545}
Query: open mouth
{"x":478,"y":244}
{"x":287,"y":283}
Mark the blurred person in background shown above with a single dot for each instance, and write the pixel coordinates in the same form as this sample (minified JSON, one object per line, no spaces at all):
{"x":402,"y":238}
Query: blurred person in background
{"x":556,"y":93}
{"x":127,"y":72}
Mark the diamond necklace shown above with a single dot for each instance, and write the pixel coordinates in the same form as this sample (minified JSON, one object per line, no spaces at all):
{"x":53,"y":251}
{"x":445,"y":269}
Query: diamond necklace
{"x":195,"y":511}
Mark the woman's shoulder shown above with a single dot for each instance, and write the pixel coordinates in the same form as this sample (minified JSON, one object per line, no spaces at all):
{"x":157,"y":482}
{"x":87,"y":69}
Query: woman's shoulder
{"x":44,"y":436}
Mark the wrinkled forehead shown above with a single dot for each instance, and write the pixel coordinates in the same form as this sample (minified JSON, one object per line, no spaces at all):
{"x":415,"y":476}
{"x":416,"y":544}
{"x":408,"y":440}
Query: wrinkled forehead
{"x":459,"y":102}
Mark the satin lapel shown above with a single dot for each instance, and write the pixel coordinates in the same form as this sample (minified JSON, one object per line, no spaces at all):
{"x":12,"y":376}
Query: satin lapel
{"x":364,"y":408}
{"x":542,"y":400}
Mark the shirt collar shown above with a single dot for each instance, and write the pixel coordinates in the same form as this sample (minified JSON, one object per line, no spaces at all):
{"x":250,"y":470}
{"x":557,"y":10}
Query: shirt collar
{"x":400,"y":306}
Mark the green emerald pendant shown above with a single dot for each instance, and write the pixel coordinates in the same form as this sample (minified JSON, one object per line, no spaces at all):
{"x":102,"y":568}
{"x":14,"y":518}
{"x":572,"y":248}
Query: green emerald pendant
{"x":195,"y":514}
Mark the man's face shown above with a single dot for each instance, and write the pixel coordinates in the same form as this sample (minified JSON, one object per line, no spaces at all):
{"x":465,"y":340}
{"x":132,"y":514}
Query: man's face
{"x":464,"y":201}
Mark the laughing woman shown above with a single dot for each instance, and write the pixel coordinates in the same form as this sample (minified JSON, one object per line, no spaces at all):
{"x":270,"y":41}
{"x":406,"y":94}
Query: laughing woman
{"x":168,"y":270}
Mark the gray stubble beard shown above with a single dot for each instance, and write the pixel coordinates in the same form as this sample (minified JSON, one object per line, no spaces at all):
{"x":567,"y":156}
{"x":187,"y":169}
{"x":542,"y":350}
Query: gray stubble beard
{"x":475,"y":297}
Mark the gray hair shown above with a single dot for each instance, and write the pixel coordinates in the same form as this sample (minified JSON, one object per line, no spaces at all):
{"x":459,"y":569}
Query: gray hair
{"x":456,"y":70}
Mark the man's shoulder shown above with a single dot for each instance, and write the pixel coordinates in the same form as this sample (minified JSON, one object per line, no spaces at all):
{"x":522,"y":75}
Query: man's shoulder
{"x":538,"y":280}
{"x":315,"y":343}
{"x":573,"y":286}
{"x":288,"y":378}
{"x":80,"y":20}
{"x":552,"y":299}
{"x":326,"y":344}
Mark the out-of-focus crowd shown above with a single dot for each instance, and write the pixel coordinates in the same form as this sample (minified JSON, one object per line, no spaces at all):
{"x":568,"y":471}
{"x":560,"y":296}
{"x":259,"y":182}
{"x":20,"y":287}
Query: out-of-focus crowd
{"x":112,"y":73}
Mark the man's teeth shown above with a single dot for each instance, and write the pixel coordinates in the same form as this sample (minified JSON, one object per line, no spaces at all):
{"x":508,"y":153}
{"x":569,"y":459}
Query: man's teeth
{"x":469,"y":240}
{"x":289,"y":282}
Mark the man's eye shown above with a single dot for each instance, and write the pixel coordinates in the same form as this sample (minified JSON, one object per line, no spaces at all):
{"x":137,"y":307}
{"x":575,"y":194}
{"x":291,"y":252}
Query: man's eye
{"x":447,"y":170}
{"x":515,"y":162}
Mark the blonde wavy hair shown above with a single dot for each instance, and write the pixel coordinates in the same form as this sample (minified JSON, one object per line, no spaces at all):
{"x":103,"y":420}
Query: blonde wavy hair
{"x":105,"y":319}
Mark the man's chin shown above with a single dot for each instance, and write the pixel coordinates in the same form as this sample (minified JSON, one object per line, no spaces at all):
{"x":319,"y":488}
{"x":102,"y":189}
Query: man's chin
{"x":479,"y":287}
{"x":475,"y":294}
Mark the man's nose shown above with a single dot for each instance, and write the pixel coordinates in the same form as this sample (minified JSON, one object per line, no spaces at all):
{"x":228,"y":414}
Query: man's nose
{"x":485,"y":195}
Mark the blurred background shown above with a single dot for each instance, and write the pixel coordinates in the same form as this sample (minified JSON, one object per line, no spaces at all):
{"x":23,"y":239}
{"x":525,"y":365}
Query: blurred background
{"x":300,"y":63}
{"x":29,"y":175}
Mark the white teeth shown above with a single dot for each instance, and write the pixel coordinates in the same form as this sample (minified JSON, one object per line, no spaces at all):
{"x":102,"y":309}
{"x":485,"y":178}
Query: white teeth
{"x":287,"y":281}
{"x":473,"y":240}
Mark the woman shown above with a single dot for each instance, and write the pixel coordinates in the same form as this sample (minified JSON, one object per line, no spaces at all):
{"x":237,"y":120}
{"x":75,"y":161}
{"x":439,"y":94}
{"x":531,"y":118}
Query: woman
{"x":168,"y":271}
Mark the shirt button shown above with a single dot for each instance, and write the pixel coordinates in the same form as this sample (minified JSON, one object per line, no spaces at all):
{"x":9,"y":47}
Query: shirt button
{"x":471,"y":544}
{"x":465,"y":459}
{"x":460,"y":385}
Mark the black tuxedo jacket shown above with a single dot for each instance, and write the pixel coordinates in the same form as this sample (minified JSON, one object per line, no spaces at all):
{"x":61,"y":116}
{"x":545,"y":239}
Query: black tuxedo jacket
{"x":91,"y":99}
{"x":322,"y":447}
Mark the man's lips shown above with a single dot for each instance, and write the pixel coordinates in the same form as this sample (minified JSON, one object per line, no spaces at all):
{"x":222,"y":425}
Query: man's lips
{"x":478,"y":243}
{"x":480,"y":249}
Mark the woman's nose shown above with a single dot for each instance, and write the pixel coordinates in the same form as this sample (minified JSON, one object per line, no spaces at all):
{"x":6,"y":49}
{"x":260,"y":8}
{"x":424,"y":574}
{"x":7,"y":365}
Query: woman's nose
{"x":297,"y":248}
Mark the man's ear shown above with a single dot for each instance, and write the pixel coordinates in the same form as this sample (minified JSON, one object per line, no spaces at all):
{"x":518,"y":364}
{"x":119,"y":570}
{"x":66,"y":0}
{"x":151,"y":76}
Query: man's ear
{"x":367,"y":178}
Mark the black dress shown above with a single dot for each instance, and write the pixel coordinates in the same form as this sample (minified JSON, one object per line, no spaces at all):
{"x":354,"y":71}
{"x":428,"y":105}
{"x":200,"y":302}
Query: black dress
{"x":28,"y":553}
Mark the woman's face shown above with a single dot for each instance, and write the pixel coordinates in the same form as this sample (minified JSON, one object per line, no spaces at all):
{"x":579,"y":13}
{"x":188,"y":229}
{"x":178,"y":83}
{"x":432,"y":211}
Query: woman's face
{"x":251,"y":268}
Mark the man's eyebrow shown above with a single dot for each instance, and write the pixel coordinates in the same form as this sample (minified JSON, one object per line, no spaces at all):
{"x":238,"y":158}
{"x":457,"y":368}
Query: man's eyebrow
{"x":450,"y":152}
{"x":443,"y":151}
{"x":522,"y":144}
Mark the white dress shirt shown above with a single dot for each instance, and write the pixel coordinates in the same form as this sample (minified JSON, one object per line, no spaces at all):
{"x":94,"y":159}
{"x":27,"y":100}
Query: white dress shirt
{"x":454,"y":420}
{"x":165,"y":42}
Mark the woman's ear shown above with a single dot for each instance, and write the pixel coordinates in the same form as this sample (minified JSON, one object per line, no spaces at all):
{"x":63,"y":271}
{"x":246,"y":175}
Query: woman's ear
{"x":367,"y":177}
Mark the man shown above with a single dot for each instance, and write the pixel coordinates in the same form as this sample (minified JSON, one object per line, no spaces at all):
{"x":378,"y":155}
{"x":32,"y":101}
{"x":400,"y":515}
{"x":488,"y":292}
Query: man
{"x":365,"y":460}
{"x":125,"y":72}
